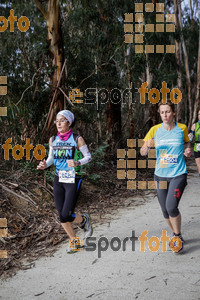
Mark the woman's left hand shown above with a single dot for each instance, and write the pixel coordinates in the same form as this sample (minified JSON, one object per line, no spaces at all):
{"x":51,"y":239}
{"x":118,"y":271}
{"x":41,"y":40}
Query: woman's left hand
{"x":71,"y":163}
{"x":188,"y":152}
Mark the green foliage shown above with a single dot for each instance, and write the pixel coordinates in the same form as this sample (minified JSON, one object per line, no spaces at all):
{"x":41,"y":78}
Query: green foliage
{"x":98,"y":158}
{"x":50,"y":173}
{"x":97,"y":163}
{"x":94,"y":178}
{"x":29,"y":167}
{"x":97,"y":57}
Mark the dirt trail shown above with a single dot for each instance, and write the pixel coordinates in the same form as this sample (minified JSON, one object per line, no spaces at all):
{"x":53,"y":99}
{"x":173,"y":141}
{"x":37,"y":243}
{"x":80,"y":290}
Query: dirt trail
{"x":121,"y":274}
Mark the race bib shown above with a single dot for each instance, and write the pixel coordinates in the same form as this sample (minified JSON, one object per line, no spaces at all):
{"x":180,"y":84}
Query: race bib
{"x":67,"y":176}
{"x":198,"y":147}
{"x":169,"y":159}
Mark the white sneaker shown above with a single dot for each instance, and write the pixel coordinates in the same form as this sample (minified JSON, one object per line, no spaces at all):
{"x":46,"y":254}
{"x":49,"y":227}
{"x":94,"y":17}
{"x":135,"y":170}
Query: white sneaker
{"x":87,"y":227}
{"x":74,"y":246}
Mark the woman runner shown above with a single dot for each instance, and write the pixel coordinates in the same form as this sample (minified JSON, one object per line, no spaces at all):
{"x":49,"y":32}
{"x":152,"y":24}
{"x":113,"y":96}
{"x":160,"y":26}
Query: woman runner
{"x":169,"y":138}
{"x":195,"y":131}
{"x":67,"y":183}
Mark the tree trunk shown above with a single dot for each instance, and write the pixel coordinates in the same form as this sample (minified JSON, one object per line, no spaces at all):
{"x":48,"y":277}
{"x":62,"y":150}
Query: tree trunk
{"x":186,"y":66}
{"x":99,"y":131}
{"x":113,"y":111}
{"x":131,"y":122}
{"x":197,"y":102}
{"x":180,"y":106}
{"x":113,"y":123}
{"x":56,"y":53}
{"x":151,"y":110}
{"x":131,"y":117}
{"x":192,"y":13}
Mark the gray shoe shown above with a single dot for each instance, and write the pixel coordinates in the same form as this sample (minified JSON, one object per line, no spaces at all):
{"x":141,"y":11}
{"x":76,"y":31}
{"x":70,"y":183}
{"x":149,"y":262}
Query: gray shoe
{"x":71,"y":251}
{"x":74,"y":246}
{"x":87,"y":227}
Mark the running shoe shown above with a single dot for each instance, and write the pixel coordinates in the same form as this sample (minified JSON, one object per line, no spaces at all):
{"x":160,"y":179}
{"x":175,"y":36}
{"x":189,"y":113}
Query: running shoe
{"x":74,"y":246}
{"x":71,"y":251}
{"x":175,"y":244}
{"x":180,"y":237}
{"x":87,"y":226}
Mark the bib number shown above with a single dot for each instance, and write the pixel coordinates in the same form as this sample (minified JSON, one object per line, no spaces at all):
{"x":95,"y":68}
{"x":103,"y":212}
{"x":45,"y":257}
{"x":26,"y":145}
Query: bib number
{"x":170,"y":159}
{"x":67,"y":176}
{"x":198,"y":147}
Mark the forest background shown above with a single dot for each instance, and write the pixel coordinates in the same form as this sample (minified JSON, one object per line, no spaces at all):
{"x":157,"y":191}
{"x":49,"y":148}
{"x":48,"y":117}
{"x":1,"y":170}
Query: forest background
{"x":80,"y":44}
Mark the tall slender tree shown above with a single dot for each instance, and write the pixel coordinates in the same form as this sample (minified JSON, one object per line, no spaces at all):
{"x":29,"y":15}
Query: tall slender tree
{"x":187,"y":69}
{"x":178,"y":60}
{"x":197,"y":102}
{"x":56,"y":54}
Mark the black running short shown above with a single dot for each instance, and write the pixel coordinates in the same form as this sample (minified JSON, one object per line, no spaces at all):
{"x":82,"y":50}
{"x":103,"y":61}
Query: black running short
{"x":65,"y":197}
{"x":196,"y":154}
{"x":169,"y":198}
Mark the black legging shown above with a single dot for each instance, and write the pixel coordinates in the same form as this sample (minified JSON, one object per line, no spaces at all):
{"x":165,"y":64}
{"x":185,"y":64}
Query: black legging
{"x":169,"y":198}
{"x":65,"y":197}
